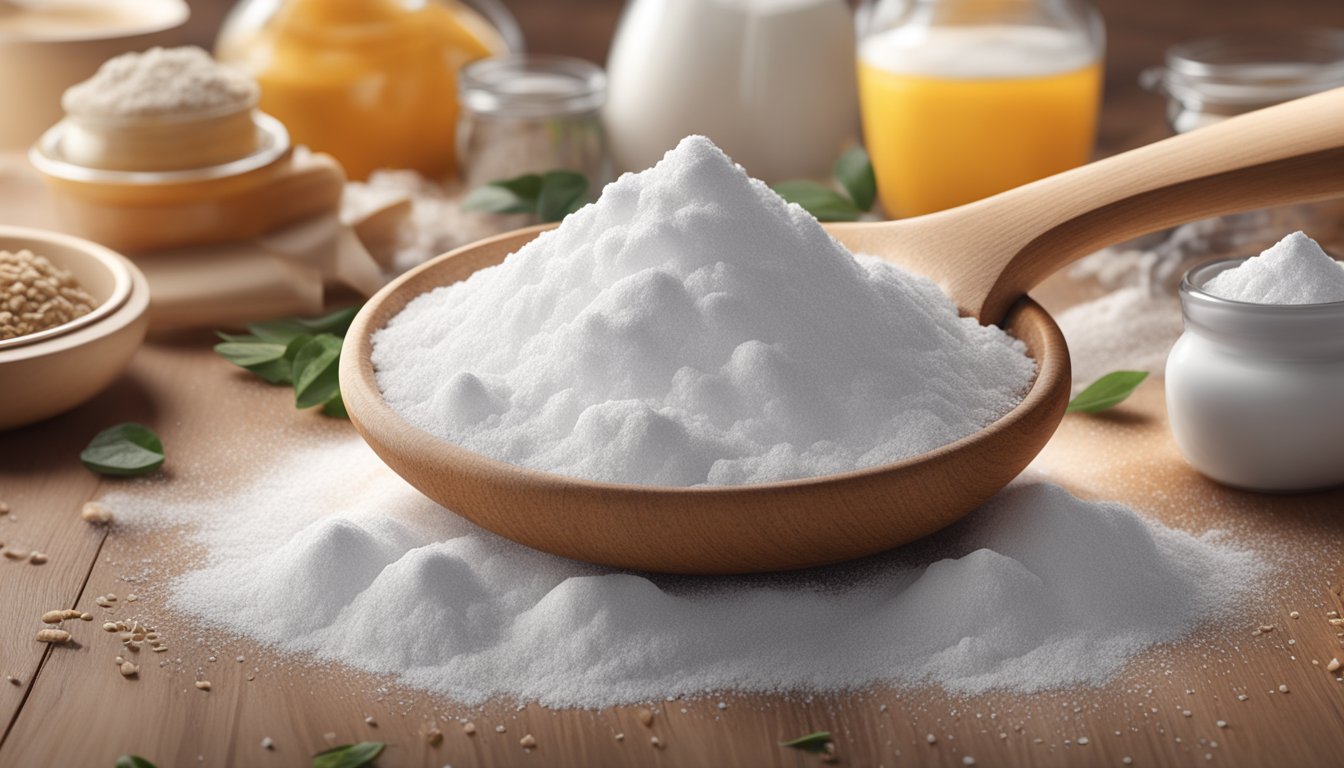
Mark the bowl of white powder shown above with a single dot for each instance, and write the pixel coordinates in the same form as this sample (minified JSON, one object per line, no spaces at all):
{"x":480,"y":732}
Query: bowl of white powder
{"x":695,"y":377}
{"x":1255,"y":384}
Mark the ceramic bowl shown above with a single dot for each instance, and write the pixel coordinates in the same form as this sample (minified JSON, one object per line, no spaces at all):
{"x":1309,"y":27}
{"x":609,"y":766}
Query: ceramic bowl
{"x":41,"y":60}
{"x":47,"y":373}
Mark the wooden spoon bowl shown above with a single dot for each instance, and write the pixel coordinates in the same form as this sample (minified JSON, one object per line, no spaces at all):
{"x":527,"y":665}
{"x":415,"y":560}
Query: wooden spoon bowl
{"x":724,"y":529}
{"x":985,"y":255}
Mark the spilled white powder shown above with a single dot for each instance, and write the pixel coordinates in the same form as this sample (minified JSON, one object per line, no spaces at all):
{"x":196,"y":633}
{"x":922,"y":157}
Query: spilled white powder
{"x":161,"y":81}
{"x":327,"y":552}
{"x":1294,"y":271}
{"x":691,"y":327}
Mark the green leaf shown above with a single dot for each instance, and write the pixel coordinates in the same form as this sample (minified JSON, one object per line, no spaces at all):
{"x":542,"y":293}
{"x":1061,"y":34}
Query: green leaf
{"x":335,"y":408}
{"x":349,"y":755}
{"x":812,"y":742}
{"x":124,"y":450}
{"x":504,"y":197}
{"x":1107,"y":392}
{"x":855,"y":174}
{"x":133,"y":761}
{"x":286,"y":329}
{"x":245,"y":354}
{"x":819,"y":200}
{"x":562,"y":193}
{"x":315,"y":371}
{"x":528,"y":186}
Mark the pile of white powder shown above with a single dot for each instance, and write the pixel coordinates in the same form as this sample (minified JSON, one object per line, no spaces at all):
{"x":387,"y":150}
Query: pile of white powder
{"x":691,"y":327}
{"x":1294,"y":271}
{"x":161,"y":81}
{"x":329,"y":553}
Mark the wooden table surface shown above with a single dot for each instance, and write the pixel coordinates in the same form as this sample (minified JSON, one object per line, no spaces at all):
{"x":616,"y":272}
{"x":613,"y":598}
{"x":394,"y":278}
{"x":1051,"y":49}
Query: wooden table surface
{"x":69,"y":707}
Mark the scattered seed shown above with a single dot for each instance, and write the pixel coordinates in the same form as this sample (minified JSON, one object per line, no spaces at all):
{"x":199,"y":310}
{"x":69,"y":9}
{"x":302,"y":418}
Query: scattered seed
{"x":469,"y":728}
{"x":16,"y":554}
{"x":70,"y":613}
{"x":12,"y":680}
{"x":1294,"y":615}
{"x":1266,"y":627}
{"x":86,"y":617}
{"x":656,"y":742}
{"x":53,"y":617}
{"x":96,"y":514}
{"x":499,"y":729}
{"x":368,"y":720}
{"x":645,"y":717}
{"x":37,"y":558}
{"x":620,"y":737}
{"x":931,"y":739}
{"x":1242,"y":697}
{"x":53,"y":636}
{"x":1221,"y":723}
{"x":528,"y":742}
{"x":1082,"y":741}
{"x":129,"y":669}
{"x":968,"y":760}
{"x":724,"y":705}
{"x":111,"y":598}
{"x":434,"y":737}
{"x":1283,"y":688}
{"x":162,"y":648}
{"x":1127,"y":760}
{"x":132,"y":598}
{"x":102,"y":602}
{"x":329,"y":737}
{"x":1337,"y":622}
{"x":203,"y":685}
{"x":238,"y":659}
{"x":1186,"y":713}
{"x":267,"y":743}
{"x":119,"y":661}
{"x":4,"y":508}
{"x":1333,"y":665}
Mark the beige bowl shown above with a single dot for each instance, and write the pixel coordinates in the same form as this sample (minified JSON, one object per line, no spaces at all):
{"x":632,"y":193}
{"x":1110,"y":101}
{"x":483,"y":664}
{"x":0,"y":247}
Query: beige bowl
{"x":44,"y":52}
{"x":49,"y":373}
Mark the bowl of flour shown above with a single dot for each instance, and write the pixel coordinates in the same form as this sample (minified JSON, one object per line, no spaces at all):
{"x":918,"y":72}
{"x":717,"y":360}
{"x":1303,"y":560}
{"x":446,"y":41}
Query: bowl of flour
{"x":696,"y":377}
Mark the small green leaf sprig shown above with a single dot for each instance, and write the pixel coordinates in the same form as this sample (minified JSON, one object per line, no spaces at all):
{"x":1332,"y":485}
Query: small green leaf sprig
{"x":550,"y":196}
{"x":349,"y":755}
{"x":816,"y":742}
{"x":853,"y":174}
{"x":302,"y":352}
{"x":1107,"y":392}
{"x":124,"y":450}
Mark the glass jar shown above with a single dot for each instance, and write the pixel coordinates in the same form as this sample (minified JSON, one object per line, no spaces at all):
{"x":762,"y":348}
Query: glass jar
{"x":771,"y":83}
{"x":371,"y":82}
{"x":1255,"y":392}
{"x":1212,"y":79}
{"x":962,"y":99}
{"x":531,"y":114}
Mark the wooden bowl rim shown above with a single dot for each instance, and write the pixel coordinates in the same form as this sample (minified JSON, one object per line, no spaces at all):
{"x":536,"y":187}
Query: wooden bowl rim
{"x":371,"y":414}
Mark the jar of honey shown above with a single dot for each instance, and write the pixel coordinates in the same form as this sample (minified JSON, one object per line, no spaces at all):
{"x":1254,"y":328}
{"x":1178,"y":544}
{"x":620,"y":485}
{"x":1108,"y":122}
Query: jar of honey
{"x":963,"y":99}
{"x":371,"y":82}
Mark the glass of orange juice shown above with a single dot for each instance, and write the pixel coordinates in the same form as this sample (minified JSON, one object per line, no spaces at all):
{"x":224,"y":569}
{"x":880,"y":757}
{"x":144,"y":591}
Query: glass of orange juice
{"x":962,"y":99}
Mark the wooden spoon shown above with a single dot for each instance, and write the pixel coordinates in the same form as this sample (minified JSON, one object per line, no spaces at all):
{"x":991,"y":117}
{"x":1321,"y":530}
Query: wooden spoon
{"x":986,"y":255}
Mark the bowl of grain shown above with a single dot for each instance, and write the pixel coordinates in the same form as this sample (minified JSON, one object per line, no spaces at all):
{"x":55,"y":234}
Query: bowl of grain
{"x":71,"y":315}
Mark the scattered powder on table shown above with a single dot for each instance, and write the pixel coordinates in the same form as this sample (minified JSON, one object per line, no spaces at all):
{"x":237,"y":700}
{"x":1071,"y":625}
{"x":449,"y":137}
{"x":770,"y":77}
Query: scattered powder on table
{"x":36,"y":295}
{"x":327,"y":553}
{"x":1294,"y":271}
{"x":691,"y":327}
{"x":161,"y":81}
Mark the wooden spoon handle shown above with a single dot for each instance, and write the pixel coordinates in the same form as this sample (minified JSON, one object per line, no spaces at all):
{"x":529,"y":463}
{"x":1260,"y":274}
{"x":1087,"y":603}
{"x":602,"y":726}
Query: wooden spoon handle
{"x":1290,"y":153}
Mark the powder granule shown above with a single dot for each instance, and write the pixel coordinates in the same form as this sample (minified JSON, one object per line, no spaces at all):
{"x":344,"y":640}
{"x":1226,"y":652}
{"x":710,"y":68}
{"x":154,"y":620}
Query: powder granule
{"x":691,"y":328}
{"x":36,"y":295}
{"x":1036,"y":590}
{"x":161,"y":81}
{"x":1294,"y":271}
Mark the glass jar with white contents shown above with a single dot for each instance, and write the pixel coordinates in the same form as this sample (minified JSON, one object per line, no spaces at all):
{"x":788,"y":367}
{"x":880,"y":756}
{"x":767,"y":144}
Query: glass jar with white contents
{"x":1255,"y":392}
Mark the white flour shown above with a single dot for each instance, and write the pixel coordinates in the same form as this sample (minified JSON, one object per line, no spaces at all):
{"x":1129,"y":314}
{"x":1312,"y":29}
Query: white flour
{"x":161,"y":81}
{"x":693,"y":328}
{"x":327,"y":552}
{"x":1294,"y":271}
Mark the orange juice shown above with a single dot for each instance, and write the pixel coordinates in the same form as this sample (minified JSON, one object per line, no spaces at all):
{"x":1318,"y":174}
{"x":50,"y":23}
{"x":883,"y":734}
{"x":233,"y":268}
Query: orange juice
{"x":371,"y":82}
{"x":966,"y":112}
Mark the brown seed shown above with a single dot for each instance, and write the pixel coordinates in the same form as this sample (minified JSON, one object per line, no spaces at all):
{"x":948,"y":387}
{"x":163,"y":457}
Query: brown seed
{"x":70,"y":613}
{"x":53,"y":617}
{"x":1333,"y":665}
{"x":16,"y":554}
{"x":95,"y":513}
{"x":53,"y":636}
{"x":656,"y":742}
{"x":109,"y":627}
{"x":434,"y":737}
{"x":37,"y":558}
{"x":203,"y":685}
{"x":86,"y":617}
{"x":4,"y":508}
{"x":645,"y":717}
{"x":129,"y":669}
{"x":12,"y":680}
{"x":528,"y":742}
{"x":469,"y":728}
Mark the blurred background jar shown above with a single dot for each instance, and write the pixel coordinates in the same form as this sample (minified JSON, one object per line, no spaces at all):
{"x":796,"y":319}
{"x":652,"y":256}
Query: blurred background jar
{"x":770,"y":81}
{"x":962,"y":99}
{"x":371,"y":82}
{"x":531,"y":114}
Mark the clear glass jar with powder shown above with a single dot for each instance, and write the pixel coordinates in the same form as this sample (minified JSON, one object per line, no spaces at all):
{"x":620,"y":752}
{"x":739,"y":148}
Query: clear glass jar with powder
{"x":531,"y":114}
{"x":1255,"y":392}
